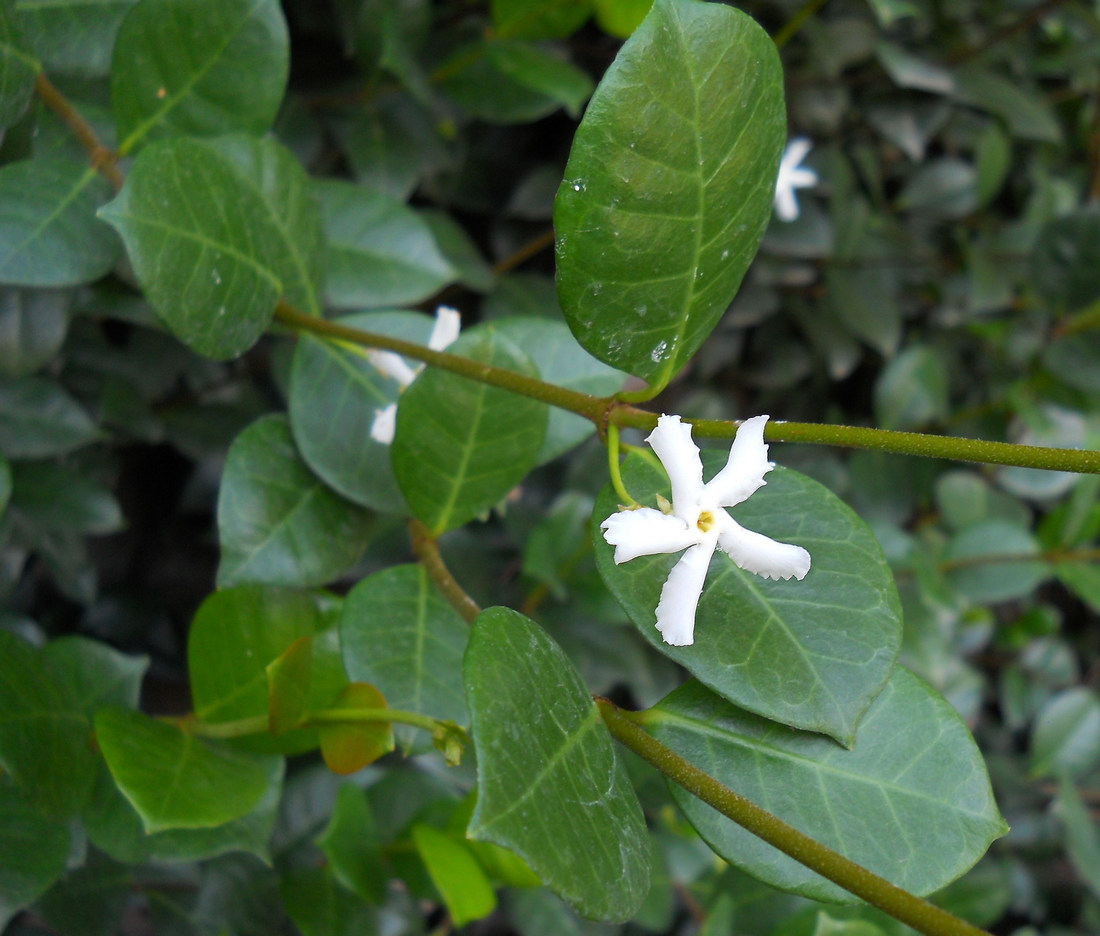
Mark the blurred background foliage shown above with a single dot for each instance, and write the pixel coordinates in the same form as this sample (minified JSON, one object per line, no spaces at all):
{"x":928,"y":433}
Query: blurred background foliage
{"x":944,"y":275}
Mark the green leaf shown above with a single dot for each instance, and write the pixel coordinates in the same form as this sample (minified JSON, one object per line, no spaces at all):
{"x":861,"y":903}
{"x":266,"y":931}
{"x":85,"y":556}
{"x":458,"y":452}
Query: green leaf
{"x":486,"y":93}
{"x":5,"y":485}
{"x":319,"y":906}
{"x":461,"y":445}
{"x":1083,"y":579}
{"x":669,"y":186}
{"x":380,"y":252}
{"x":237,"y":633}
{"x":94,"y":674}
{"x":812,"y":654}
{"x":1066,"y":736}
{"x":399,"y":634}
{"x":49,"y":233}
{"x":528,"y":65}
{"x":33,"y":323}
{"x":351,"y":846}
{"x":277,"y":523}
{"x":39,"y":420}
{"x":551,"y":789}
{"x":45,"y":741}
{"x":1082,"y":836}
{"x":114,"y":827}
{"x":619,"y":18}
{"x":18,"y":71}
{"x":198,"y":67}
{"x":350,"y":746}
{"x":335,"y":393}
{"x":466,"y":891}
{"x":1026,"y":112}
{"x":61,"y":498}
{"x":288,"y":679}
{"x":995,"y":560}
{"x":912,"y":389}
{"x":178,"y":781}
{"x":460,"y":251}
{"x":539,"y":19}
{"x":33,"y":851}
{"x":560,"y":360}
{"x":913,"y":766}
{"x":215,"y":246}
{"x":1061,"y":264}
{"x":74,"y":36}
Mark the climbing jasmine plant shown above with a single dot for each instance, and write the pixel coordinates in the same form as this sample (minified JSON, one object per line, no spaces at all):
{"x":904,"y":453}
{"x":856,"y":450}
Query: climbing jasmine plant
{"x":357,"y":717}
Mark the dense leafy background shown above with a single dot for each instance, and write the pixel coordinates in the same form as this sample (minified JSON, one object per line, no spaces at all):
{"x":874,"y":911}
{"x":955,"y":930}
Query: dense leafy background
{"x":942,"y":276}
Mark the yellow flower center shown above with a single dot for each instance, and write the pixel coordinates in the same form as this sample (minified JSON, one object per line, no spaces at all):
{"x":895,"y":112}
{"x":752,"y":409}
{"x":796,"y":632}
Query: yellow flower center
{"x":705,"y":521}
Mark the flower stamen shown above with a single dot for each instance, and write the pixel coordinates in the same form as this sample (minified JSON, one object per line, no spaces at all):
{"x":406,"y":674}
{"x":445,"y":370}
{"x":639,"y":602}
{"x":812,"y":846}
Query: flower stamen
{"x":705,"y":521}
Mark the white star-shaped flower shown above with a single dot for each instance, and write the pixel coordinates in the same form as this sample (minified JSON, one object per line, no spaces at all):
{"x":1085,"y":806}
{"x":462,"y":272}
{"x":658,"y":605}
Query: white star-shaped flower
{"x":792,"y":176}
{"x":444,"y":333}
{"x":698,"y":523}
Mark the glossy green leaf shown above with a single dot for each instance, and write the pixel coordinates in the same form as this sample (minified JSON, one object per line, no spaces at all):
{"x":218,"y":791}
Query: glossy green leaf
{"x":669,"y":186}
{"x":237,"y":634}
{"x":1083,"y":579}
{"x":176,"y":780}
{"x":39,"y":420}
{"x":485,"y":93}
{"x":528,"y":65}
{"x":18,"y":71}
{"x":812,"y":654}
{"x":351,"y":846}
{"x":619,"y":18}
{"x":288,"y":679}
{"x":351,"y":745}
{"x":45,"y":741}
{"x":60,"y":498}
{"x":33,"y":851}
{"x":198,"y":67}
{"x":94,"y":674}
{"x":458,"y":877}
{"x":214,"y":246}
{"x":1066,"y":736}
{"x":1082,"y":836}
{"x":114,"y":827}
{"x":335,"y":393}
{"x":49,"y":233}
{"x":74,"y":36}
{"x":560,"y":360}
{"x":380,"y":252}
{"x":33,"y":323}
{"x":399,"y":634}
{"x":277,"y":523}
{"x":460,"y":251}
{"x":551,"y":789}
{"x":539,"y":19}
{"x":461,"y":445}
{"x":913,"y":766}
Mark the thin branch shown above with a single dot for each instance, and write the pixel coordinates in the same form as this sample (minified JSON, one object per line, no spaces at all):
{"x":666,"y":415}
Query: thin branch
{"x":923,"y":916}
{"x":102,"y":159}
{"x":426,"y":548}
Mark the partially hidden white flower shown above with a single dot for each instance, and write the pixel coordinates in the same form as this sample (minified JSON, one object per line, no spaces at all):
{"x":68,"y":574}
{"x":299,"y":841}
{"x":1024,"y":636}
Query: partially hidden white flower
{"x":444,"y":333}
{"x":792,"y":176}
{"x":698,"y":523}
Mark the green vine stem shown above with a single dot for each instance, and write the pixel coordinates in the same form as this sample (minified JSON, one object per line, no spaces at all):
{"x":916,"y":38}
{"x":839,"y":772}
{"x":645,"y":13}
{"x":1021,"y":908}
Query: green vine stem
{"x":605,"y":411}
{"x":426,"y":548}
{"x":101,"y":158}
{"x":920,"y":914}
{"x":625,"y":500}
{"x":259,"y":724}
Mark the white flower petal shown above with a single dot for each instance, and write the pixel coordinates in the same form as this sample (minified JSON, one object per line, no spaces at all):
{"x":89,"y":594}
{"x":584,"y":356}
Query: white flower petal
{"x":680,"y":595}
{"x":786,"y":205}
{"x":445,"y":331}
{"x":760,"y":554}
{"x":671,"y":440}
{"x":646,"y":532}
{"x":392,"y":365}
{"x":795,"y":151}
{"x":745,"y":469}
{"x":385,"y":421}
{"x":792,"y":176}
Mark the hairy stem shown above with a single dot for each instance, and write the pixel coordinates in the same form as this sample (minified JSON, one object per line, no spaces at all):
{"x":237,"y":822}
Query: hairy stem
{"x":920,"y":914}
{"x":426,"y":548}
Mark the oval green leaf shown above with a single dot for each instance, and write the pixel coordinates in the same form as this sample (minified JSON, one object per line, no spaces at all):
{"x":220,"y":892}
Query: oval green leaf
{"x":455,"y":872}
{"x":33,"y":851}
{"x":914,"y":766}
{"x":18,"y":71}
{"x":214,"y":247}
{"x":399,"y":634}
{"x":277,"y":523}
{"x":38,"y":419}
{"x":177,"y":781}
{"x":198,"y":67}
{"x":350,"y":745}
{"x":461,"y":445}
{"x":811,"y":654}
{"x":551,"y":789}
{"x":669,"y":186}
